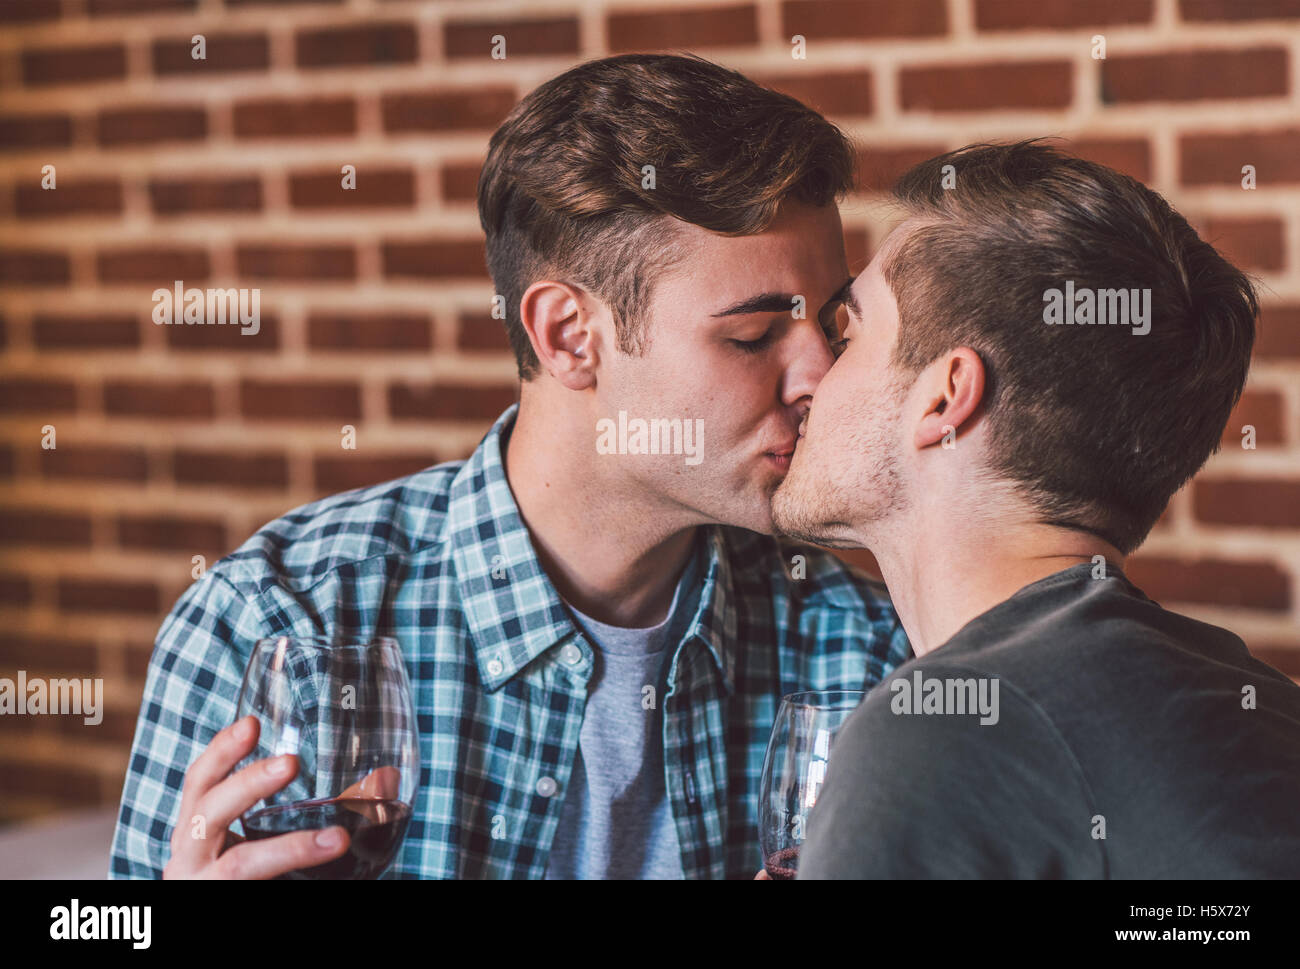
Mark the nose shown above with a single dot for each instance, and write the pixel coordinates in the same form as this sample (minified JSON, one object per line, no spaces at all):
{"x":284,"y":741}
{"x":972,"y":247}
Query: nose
{"x":809,"y":358}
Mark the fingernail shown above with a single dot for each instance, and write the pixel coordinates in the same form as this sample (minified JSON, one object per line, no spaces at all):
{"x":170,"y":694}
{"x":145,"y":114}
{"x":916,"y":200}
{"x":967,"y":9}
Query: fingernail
{"x":280,"y":766}
{"x":329,"y":838}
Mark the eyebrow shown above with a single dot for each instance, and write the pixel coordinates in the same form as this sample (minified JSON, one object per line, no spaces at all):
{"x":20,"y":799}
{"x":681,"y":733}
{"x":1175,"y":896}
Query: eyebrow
{"x":762,"y":303}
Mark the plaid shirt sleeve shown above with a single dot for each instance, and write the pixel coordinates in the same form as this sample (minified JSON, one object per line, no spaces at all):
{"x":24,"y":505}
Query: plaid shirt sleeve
{"x":190,"y":694}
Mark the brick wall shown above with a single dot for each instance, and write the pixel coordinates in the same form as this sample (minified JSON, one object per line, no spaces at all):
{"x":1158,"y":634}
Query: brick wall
{"x":180,"y":441}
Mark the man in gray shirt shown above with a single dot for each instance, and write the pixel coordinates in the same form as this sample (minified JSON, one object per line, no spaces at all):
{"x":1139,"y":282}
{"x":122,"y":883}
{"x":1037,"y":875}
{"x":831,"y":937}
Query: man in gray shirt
{"x":1001,"y":451}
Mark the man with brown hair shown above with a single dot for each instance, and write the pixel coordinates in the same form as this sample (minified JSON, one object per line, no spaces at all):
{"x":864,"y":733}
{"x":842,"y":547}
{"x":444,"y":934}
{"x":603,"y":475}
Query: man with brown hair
{"x":598,"y":627}
{"x":1036,"y":359}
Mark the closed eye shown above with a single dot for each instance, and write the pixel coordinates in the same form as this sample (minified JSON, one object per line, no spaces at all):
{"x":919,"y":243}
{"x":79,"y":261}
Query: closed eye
{"x":754,"y":346}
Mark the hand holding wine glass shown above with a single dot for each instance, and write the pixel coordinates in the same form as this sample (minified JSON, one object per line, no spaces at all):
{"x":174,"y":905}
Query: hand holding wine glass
{"x":337,"y":717}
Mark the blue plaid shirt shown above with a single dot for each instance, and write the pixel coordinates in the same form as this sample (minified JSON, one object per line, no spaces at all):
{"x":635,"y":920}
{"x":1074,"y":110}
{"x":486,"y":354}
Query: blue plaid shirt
{"x":442,"y":561}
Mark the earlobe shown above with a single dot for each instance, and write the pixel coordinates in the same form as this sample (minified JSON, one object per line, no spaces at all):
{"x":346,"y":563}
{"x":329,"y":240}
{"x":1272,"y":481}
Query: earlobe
{"x":955,"y":390}
{"x":558,"y":326}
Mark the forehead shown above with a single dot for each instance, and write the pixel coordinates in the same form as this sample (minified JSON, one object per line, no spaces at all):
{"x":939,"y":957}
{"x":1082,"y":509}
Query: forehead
{"x":802,"y":245}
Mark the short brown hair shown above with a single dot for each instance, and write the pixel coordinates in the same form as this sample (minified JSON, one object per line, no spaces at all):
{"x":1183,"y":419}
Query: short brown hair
{"x":1099,"y":425}
{"x":560,"y":194}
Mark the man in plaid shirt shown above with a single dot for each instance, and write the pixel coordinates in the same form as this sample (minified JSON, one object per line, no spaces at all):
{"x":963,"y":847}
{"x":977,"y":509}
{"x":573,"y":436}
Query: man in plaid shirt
{"x":664,"y":239}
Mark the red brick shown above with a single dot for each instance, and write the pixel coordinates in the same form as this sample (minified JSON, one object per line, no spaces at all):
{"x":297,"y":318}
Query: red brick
{"x":6,"y":461}
{"x":146,"y":125}
{"x":74,"y":65}
{"x":96,"y":196}
{"x":72,"y":460}
{"x":472,"y":109}
{"x":368,"y":331}
{"x":159,"y":267}
{"x":1194,"y":10}
{"x":1248,"y":243}
{"x":460,"y":182}
{"x":1249,"y":585}
{"x":281,"y":3}
{"x":31,"y":652}
{"x":1264,"y":411}
{"x":1131,"y":156}
{"x":205,"y":338}
{"x":524,"y":38}
{"x":284,"y":261}
{"x":1248,"y":502}
{"x":481,"y":332}
{"x":320,"y":400}
{"x":230,"y":194}
{"x":845,"y":93}
{"x":375,"y":188}
{"x":172,"y":532}
{"x":332,"y":474}
{"x":15,"y":590}
{"x":173,"y":399}
{"x":46,"y":130}
{"x":70,"y":786}
{"x":231,"y":469}
{"x":1283,"y":658}
{"x":34,"y":526}
{"x":108,"y":595}
{"x":450,"y":401}
{"x":115,"y":727}
{"x":36,"y":395}
{"x":224,"y":53}
{"x":983,"y":87}
{"x":686,"y":27}
{"x":106,"y":8}
{"x":434,"y":259}
{"x":1194,"y":75}
{"x":295,"y":118}
{"x":843,"y":19}
{"x":21,"y":267}
{"x":28,"y":11}
{"x":879,"y":168}
{"x":1060,"y":14}
{"x":90,"y":331}
{"x":1218,"y":159}
{"x":371,"y":43}
{"x":1279,"y":331}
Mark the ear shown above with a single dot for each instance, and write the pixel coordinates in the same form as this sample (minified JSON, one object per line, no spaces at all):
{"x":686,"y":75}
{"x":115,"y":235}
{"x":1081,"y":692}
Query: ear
{"x":557,"y":319}
{"x":954,"y":388}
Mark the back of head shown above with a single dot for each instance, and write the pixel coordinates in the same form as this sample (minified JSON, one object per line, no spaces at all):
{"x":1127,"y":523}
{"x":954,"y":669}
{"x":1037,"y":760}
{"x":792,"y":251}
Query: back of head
{"x":1115,"y":341}
{"x":584,"y":179}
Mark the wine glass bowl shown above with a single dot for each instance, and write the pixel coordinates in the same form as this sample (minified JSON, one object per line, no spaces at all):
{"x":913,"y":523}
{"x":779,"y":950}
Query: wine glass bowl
{"x":794,"y":770}
{"x":343,"y":707}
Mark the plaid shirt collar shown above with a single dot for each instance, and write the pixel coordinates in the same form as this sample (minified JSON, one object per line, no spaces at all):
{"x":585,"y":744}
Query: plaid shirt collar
{"x":490,"y":544}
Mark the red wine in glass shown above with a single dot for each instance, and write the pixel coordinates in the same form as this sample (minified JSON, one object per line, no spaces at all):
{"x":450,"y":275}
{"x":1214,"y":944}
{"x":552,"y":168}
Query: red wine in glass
{"x":343,"y":708}
{"x":376,"y":827}
{"x":794,"y":770}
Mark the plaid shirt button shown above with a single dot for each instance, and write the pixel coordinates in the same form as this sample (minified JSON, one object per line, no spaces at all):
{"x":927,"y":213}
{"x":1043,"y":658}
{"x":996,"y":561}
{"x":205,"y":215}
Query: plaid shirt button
{"x":494,"y":667}
{"x":571,"y":654}
{"x":546,"y":786}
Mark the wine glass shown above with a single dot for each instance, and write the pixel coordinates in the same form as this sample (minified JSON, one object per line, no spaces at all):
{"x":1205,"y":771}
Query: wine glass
{"x":794,"y":770}
{"x":343,"y":706}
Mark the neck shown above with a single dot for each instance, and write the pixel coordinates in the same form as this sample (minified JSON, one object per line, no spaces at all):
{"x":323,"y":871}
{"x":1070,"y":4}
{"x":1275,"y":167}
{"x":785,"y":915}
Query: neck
{"x":942,"y":576}
{"x":607,"y":553}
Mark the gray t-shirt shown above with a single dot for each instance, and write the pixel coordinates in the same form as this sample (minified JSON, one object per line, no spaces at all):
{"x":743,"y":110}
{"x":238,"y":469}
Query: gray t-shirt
{"x":616,"y":821}
{"x":1129,"y":742}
